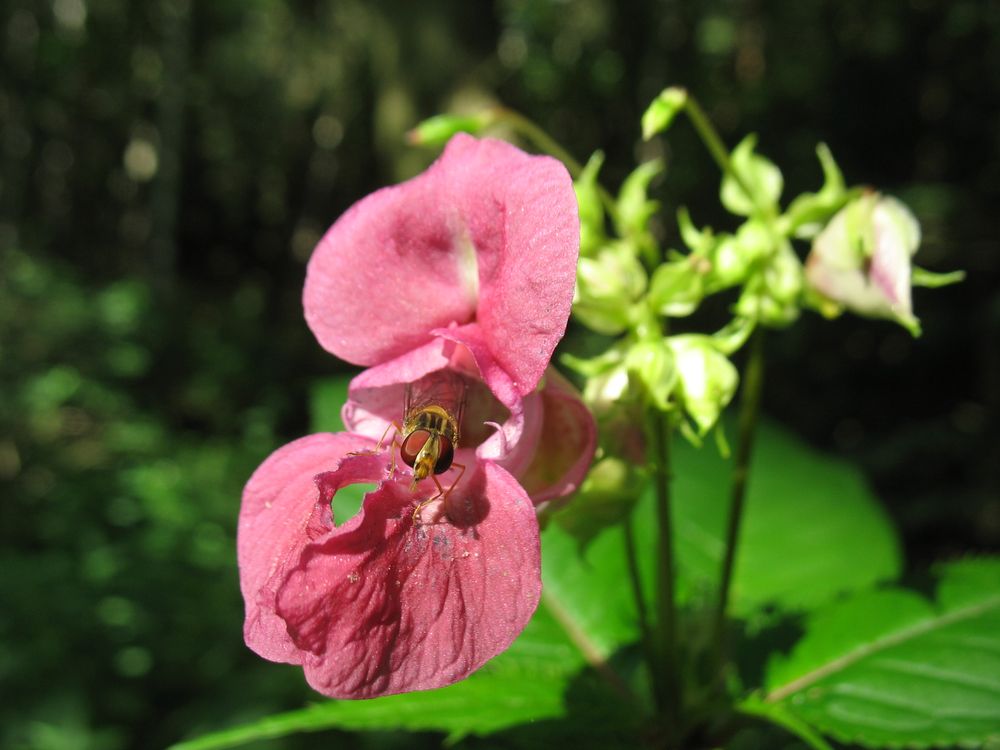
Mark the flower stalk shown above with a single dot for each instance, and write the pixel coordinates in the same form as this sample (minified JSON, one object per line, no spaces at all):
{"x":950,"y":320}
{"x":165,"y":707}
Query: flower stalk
{"x":753,"y":381}
{"x":665,"y":637}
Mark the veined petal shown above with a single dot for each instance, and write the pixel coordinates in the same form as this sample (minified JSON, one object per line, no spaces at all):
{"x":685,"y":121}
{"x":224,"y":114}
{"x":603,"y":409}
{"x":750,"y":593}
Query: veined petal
{"x":522,"y":216}
{"x":566,"y":444}
{"x":487,"y":233}
{"x":377,"y":395}
{"x":385,"y":604}
{"x":277,"y":520}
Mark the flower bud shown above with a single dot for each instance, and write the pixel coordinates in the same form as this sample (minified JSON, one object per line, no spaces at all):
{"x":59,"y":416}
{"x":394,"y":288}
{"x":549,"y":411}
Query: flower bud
{"x":677,"y":287}
{"x":592,"y":235}
{"x":607,"y":495}
{"x":652,"y":364}
{"x":861,"y":260}
{"x":662,"y":111}
{"x":438,"y":130}
{"x":606,"y":286}
{"x":606,"y":389}
{"x":706,"y":378}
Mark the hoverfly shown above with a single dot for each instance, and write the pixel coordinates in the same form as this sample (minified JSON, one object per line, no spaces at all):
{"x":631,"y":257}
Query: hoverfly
{"x":432,"y":421}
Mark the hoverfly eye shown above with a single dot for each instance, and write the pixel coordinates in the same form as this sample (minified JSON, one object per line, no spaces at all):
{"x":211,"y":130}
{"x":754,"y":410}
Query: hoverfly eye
{"x":446,"y":456}
{"x":411,"y":446}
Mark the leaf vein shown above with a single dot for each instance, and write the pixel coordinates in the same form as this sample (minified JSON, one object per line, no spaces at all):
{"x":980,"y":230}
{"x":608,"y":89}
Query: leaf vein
{"x":880,"y":644}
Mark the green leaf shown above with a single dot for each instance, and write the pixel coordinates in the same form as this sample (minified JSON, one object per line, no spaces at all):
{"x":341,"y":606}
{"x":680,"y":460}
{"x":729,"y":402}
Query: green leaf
{"x":888,"y":668}
{"x":590,"y":586}
{"x":753,"y":173}
{"x":812,"y":528}
{"x":777,"y":714}
{"x":662,"y":110}
{"x":524,"y":684}
{"x":326,"y":398}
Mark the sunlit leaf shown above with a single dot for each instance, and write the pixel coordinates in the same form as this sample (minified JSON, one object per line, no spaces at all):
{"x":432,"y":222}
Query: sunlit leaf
{"x":812,"y":527}
{"x":888,"y":668}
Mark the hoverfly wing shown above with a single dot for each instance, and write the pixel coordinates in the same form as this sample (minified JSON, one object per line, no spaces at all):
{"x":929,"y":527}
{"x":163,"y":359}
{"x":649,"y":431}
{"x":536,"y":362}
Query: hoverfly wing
{"x":444,"y":389}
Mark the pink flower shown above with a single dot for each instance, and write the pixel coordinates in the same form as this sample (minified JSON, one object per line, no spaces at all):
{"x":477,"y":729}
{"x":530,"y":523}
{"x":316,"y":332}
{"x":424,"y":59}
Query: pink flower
{"x":480,"y":249}
{"x":464,"y":274}
{"x":862,"y":259}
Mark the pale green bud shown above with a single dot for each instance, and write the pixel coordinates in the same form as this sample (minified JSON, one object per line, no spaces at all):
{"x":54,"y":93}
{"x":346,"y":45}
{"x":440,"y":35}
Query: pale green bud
{"x":699,"y":241}
{"x":606,"y":496}
{"x":592,"y":234}
{"x":651,"y":363}
{"x":438,"y":130}
{"x":757,"y":174}
{"x":730,"y":264}
{"x":634,"y":208}
{"x":677,"y":287}
{"x":607,"y":285}
{"x":706,"y":381}
{"x":662,"y":111}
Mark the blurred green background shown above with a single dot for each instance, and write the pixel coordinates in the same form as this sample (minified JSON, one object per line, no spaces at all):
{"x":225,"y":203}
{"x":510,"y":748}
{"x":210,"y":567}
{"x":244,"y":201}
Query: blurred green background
{"x":167,"y":167}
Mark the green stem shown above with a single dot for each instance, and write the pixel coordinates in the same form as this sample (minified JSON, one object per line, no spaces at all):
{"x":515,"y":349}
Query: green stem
{"x":713,"y":142}
{"x":539,"y":137}
{"x":753,"y":380}
{"x":666,"y":632}
{"x":632,"y":560}
{"x":550,"y":146}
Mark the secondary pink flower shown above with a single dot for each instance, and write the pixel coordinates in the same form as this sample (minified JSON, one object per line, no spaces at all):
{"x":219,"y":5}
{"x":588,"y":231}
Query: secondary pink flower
{"x":466,"y":271}
{"x":862,"y":259}
{"x":486,"y":240}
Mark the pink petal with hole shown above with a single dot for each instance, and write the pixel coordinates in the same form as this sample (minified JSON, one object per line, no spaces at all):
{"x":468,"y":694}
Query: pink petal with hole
{"x":277,"y":522}
{"x":384,"y":605}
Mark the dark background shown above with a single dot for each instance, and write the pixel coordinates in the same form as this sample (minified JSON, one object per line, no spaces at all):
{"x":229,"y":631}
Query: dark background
{"x":168,"y":166}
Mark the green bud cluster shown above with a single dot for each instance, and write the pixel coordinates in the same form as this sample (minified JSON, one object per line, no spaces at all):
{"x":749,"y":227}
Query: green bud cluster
{"x":630,"y":288}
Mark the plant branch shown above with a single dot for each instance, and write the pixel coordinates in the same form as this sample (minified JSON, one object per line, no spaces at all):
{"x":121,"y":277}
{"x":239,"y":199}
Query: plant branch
{"x":666,"y":631}
{"x":713,"y":142}
{"x":632,"y":560}
{"x":753,"y":380}
{"x":537,"y":135}
{"x":588,"y":648}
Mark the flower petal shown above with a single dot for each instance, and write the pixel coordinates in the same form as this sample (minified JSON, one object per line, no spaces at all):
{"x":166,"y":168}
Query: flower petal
{"x":276,"y":520}
{"x":377,"y":395}
{"x":385,"y":605}
{"x":523,"y":220}
{"x":487,"y":232}
{"x":566,"y":445}
{"x":475,"y":340}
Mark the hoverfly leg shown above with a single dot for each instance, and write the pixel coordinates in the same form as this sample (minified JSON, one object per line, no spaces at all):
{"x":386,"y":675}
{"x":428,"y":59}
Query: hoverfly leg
{"x":442,"y":493}
{"x":380,"y":446}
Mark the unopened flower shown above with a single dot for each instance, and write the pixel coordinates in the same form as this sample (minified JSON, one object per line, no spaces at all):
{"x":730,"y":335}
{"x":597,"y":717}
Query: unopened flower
{"x":862,"y":259}
{"x":462,"y":275}
{"x":706,"y":379}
